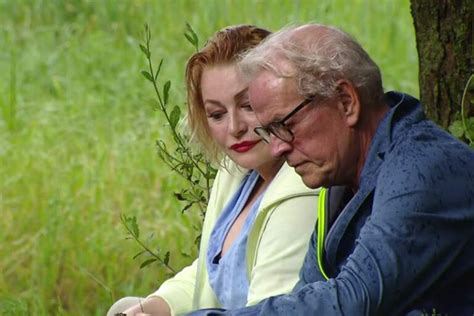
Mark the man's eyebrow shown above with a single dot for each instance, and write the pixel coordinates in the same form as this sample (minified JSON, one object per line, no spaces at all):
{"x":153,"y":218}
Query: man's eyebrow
{"x":278,"y":117}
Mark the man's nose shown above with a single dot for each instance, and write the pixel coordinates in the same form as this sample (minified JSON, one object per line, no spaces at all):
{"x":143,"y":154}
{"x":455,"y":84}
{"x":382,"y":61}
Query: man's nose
{"x":279,"y":148}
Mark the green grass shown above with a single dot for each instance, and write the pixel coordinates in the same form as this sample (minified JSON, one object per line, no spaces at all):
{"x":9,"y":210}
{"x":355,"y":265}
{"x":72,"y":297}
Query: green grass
{"x":78,"y":130}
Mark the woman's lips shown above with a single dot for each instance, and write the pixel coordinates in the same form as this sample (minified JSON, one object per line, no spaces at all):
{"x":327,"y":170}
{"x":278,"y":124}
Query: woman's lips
{"x":244,"y":146}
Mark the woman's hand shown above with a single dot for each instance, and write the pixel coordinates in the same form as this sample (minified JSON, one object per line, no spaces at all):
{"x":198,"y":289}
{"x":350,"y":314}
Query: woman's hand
{"x":152,"y":306}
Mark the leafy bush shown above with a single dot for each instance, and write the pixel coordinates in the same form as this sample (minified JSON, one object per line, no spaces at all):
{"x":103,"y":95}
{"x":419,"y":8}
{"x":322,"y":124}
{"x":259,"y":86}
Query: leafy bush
{"x":192,"y":166}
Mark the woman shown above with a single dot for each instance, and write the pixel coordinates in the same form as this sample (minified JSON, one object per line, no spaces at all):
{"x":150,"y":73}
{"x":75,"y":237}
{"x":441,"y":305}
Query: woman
{"x":260,"y":215}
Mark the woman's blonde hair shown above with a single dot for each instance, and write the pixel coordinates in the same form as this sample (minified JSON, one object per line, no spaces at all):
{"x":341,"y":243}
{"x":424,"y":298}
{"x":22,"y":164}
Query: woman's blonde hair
{"x":225,"y":47}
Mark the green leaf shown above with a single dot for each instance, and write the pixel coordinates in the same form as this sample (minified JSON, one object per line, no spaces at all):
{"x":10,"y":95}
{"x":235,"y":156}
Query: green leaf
{"x":175,"y":116}
{"x":191,"y":36}
{"x":147,"y":75}
{"x":150,"y":237}
{"x":456,"y":129}
{"x":166,"y":90}
{"x":134,"y":226}
{"x":145,"y":51}
{"x":139,"y":254}
{"x":184,"y":209}
{"x":159,"y":69}
{"x":147,"y":33}
{"x":198,"y":239}
{"x":166,"y":260}
{"x":147,"y":262}
{"x":470,"y":122}
{"x":186,"y":255}
{"x":180,"y":196}
{"x":470,"y":127}
{"x":161,"y":146}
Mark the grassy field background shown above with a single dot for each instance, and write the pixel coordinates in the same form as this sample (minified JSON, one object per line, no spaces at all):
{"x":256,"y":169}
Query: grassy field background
{"x":77,"y":134}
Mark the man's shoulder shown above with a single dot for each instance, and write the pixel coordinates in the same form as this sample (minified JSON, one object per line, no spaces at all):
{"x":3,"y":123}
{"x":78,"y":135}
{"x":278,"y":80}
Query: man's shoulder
{"x":425,"y":156}
{"x":427,"y":143}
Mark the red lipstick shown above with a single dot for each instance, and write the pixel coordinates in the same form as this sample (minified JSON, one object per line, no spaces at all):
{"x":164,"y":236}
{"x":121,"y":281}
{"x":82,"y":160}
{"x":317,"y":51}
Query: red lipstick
{"x":244,"y":146}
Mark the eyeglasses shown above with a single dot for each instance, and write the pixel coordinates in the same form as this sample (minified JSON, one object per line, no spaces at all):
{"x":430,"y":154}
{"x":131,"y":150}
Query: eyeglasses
{"x":278,"y":128}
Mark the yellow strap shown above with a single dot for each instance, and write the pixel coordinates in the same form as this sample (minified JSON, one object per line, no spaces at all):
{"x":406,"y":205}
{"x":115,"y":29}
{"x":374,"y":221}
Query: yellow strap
{"x":321,"y":229}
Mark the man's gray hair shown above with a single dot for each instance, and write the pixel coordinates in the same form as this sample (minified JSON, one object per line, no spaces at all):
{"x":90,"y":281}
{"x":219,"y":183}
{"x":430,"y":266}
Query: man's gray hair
{"x":317,"y":56}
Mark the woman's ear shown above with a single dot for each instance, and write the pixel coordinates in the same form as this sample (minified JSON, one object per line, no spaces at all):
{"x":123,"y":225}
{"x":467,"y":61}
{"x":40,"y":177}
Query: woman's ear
{"x":349,"y":101}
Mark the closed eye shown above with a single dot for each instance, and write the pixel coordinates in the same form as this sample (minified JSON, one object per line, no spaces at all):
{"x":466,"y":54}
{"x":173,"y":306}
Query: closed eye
{"x":247,"y":107}
{"x":216,"y":116}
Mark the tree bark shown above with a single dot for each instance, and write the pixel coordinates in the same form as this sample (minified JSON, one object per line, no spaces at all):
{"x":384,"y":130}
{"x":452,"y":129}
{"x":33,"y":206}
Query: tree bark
{"x":444,"y":38}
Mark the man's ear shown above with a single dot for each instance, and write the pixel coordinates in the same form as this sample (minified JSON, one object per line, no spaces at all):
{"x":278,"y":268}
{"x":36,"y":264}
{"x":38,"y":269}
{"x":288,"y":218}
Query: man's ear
{"x":349,"y":101}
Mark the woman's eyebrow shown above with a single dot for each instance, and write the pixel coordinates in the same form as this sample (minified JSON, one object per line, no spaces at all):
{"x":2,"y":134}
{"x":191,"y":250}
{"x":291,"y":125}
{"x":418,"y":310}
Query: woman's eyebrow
{"x":211,"y":101}
{"x":241,"y":94}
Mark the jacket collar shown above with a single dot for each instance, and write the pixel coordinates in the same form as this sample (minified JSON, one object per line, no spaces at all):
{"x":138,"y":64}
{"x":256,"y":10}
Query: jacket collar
{"x":404,"y":111}
{"x":286,"y":184}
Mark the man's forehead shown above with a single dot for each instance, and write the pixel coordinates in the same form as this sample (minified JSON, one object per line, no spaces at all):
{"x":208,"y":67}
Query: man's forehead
{"x":269,"y":94}
{"x":265,"y":82}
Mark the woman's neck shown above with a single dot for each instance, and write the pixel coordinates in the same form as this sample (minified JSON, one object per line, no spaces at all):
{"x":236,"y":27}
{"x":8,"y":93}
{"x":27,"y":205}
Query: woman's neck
{"x":268,"y":171}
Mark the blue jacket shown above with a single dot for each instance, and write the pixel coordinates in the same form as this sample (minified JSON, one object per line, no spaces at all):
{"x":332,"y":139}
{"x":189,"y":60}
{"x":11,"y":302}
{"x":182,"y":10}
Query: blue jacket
{"x":404,"y":243}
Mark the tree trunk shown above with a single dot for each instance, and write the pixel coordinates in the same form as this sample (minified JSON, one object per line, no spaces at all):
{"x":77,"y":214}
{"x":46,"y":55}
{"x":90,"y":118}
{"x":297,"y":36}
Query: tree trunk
{"x":444,"y":38}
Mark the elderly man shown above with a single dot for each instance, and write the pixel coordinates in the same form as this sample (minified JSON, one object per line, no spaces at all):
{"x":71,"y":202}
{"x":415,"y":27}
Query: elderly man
{"x":396,"y":223}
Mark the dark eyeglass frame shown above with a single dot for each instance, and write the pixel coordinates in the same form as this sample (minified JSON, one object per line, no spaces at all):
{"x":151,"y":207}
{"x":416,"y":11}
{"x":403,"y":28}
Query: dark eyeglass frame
{"x":279,"y":128}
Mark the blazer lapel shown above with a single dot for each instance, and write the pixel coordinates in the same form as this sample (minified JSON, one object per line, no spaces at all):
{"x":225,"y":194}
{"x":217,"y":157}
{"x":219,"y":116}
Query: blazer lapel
{"x":338,"y":229}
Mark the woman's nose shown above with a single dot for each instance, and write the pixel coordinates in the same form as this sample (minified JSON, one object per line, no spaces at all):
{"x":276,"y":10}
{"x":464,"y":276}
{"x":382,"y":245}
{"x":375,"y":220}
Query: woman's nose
{"x":237,"y":125}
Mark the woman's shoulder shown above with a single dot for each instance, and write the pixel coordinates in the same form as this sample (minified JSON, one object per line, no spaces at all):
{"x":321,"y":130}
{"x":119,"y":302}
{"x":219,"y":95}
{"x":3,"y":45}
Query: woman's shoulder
{"x":228,"y":179}
{"x":287,"y":185}
{"x":230,"y":172}
{"x":288,"y":182}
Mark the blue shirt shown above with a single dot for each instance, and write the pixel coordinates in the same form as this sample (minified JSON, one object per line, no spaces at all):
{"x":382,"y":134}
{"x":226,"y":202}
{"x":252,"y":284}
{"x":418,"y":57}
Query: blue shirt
{"x":228,"y":274}
{"x":404,"y":243}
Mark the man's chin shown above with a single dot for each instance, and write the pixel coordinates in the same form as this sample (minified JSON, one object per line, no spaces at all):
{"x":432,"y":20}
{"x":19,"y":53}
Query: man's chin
{"x":310,"y":182}
{"x":313,"y":178}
